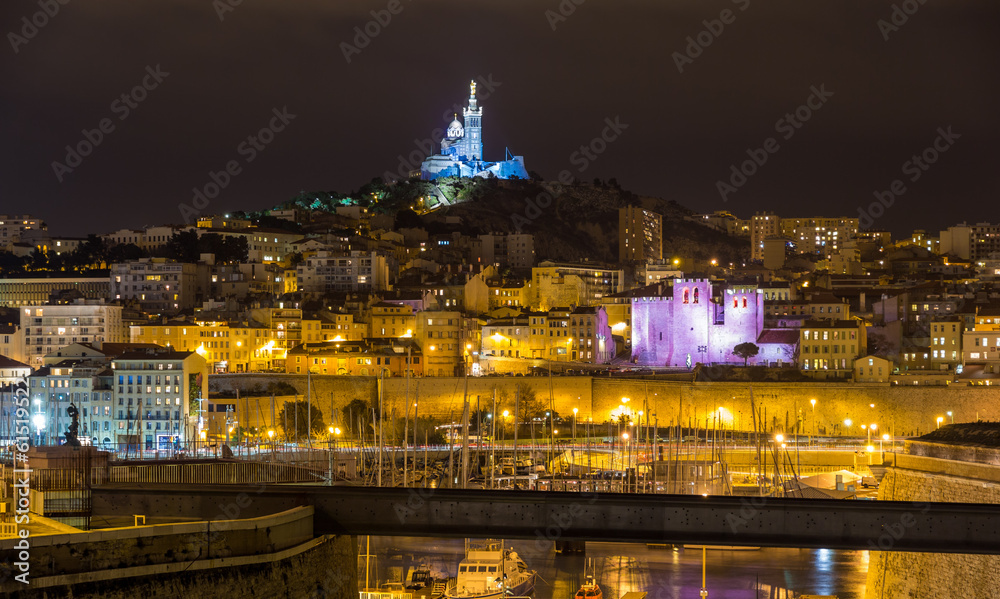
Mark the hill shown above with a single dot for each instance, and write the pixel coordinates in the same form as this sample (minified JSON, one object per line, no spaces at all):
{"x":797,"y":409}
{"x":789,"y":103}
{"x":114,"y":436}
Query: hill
{"x":570,"y":222}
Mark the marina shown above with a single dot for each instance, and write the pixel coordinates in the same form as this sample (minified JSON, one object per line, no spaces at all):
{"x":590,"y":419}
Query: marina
{"x":661,"y":572}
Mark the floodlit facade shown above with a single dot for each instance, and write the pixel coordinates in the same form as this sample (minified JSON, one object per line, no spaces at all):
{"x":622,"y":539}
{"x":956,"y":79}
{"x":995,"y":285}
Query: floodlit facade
{"x":680,"y":325}
{"x":462,"y":150}
{"x":828,"y":348}
{"x":158,"y":398}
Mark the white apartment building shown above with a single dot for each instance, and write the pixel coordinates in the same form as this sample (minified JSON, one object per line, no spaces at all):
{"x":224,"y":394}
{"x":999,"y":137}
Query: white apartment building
{"x":516,"y":250}
{"x":161,"y":286}
{"x":86,"y":385}
{"x":821,"y":236}
{"x":151,"y":398}
{"x":970,"y":242}
{"x":146,"y":239}
{"x":12,"y":228}
{"x":357,"y":271}
{"x":49,"y":327}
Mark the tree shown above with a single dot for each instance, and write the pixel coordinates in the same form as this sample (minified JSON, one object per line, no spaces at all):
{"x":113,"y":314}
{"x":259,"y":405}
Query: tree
{"x":295,"y":427}
{"x":746,"y":351}
{"x":125,"y":253}
{"x":11,"y":266}
{"x":358,"y":411}
{"x":407,"y":219}
{"x":183,"y":246}
{"x":528,"y":404}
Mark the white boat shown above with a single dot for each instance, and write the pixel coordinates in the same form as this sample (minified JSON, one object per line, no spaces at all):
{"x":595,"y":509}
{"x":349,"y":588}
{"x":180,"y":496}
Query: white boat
{"x":490,"y":570}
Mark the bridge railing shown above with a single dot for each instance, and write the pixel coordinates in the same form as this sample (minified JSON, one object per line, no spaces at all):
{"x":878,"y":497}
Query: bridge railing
{"x":225,"y":473}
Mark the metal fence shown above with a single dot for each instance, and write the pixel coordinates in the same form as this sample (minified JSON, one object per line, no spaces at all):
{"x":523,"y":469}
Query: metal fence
{"x":224,"y":473}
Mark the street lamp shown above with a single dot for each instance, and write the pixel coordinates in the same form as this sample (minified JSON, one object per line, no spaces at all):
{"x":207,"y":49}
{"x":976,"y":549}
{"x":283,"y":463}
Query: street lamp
{"x":813,"y":402}
{"x":940,"y":419}
{"x":951,"y":415}
{"x":625,"y":450}
{"x":575,"y":410}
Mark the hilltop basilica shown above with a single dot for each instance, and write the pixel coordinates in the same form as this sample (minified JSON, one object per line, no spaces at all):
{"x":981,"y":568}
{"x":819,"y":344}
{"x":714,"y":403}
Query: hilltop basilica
{"x":462,"y":151}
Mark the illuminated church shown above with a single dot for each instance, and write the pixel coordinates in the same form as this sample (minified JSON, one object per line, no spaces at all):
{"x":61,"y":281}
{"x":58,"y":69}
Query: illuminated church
{"x":462,"y":151}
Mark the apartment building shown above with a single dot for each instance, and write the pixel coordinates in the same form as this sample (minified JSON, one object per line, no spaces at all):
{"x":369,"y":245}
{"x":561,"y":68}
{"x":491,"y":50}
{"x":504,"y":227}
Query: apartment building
{"x":49,"y":327}
{"x":640,"y":235}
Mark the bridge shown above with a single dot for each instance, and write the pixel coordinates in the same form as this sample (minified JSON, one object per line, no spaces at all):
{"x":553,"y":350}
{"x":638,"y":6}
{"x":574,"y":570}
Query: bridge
{"x":575,"y":517}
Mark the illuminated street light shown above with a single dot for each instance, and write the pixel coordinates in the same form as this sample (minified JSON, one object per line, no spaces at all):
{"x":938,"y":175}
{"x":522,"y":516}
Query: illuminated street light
{"x":940,"y":419}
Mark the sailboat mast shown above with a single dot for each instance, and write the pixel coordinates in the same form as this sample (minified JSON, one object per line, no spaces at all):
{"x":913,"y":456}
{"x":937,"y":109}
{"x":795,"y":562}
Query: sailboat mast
{"x":309,"y":409}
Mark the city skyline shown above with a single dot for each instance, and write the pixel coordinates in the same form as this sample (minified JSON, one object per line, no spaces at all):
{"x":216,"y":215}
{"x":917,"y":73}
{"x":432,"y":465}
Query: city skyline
{"x":335,"y":95}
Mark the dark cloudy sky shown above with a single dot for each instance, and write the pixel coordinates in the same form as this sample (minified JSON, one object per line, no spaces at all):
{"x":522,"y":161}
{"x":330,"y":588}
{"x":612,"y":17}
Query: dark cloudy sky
{"x":556,"y":88}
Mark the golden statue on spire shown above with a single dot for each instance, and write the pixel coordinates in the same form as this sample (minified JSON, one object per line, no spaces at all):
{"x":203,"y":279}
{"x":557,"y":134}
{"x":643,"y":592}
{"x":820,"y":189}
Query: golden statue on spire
{"x":472,"y":87}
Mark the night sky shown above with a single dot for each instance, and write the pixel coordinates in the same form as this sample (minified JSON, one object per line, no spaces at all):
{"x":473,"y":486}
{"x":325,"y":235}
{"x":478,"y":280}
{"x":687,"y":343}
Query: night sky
{"x":555,"y":80}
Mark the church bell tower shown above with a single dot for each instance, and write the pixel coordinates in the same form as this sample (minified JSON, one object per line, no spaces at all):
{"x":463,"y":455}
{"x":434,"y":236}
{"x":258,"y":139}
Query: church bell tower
{"x":473,"y":127}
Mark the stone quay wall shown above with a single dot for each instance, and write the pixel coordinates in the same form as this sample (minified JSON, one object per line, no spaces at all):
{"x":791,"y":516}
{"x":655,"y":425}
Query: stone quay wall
{"x":899,"y":575}
{"x":267,"y":556}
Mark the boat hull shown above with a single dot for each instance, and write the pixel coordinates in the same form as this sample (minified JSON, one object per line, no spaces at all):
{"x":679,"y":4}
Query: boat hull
{"x":526,"y":587}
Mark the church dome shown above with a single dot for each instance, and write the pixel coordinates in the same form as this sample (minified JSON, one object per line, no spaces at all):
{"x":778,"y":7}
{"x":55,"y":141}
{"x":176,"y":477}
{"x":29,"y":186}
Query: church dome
{"x":455,"y":129}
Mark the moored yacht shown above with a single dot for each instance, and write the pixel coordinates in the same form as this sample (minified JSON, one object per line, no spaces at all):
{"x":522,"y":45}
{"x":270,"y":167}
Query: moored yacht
{"x":490,"y":570}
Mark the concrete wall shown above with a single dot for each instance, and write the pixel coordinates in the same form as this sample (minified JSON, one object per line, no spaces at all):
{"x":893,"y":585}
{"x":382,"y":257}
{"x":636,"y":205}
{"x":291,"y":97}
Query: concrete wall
{"x":117,"y":548}
{"x":904,"y":575}
{"x":901,"y":411}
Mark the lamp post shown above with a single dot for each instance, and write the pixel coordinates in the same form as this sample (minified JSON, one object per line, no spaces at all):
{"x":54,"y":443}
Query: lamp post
{"x":940,"y":419}
{"x":625,"y":451}
{"x":575,"y":411}
{"x":951,"y":415}
{"x":814,"y":431}
{"x":779,"y":441}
